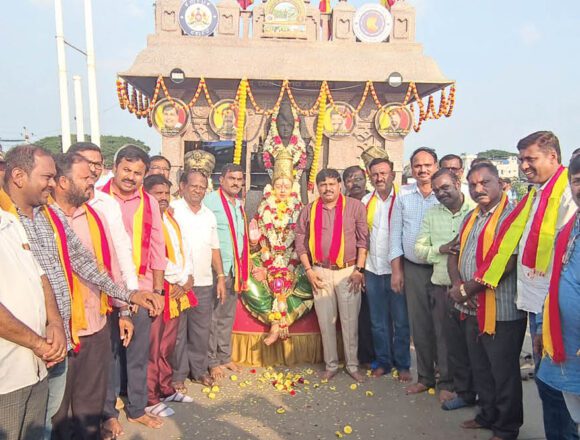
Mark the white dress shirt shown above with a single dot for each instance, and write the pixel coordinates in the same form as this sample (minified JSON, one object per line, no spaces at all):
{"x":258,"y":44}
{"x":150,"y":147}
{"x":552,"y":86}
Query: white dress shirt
{"x":533,"y":287}
{"x":108,"y":207}
{"x":200,"y":237}
{"x":178,"y":272}
{"x":22,"y":295}
{"x":378,"y":261}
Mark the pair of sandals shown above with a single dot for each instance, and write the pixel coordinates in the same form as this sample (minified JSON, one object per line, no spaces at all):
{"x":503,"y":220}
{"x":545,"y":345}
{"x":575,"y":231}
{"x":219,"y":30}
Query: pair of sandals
{"x":162,"y":410}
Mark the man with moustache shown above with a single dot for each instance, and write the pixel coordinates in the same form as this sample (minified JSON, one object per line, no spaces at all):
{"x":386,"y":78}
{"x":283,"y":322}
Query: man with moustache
{"x":435,"y":242}
{"x":143,"y":223}
{"x":177,"y":293}
{"x":494,"y":327}
{"x":29,"y":181}
{"x":88,"y":372}
{"x":200,"y":236}
{"x":355,"y":180}
{"x":454,"y":163}
{"x":410,"y":274}
{"x":388,"y":310}
{"x":560,"y":319}
{"x":232,"y":228}
{"x":160,"y":165}
{"x":331,"y":242}
{"x":540,"y":161}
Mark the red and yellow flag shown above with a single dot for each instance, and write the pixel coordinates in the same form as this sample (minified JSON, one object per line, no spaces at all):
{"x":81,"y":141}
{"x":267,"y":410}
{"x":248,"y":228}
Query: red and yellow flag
{"x":324,"y":6}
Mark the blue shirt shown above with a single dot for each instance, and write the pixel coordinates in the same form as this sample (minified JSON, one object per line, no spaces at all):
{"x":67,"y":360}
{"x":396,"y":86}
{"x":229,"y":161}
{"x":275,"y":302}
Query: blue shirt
{"x":214,"y":203}
{"x":566,"y":376}
{"x":408,"y":212}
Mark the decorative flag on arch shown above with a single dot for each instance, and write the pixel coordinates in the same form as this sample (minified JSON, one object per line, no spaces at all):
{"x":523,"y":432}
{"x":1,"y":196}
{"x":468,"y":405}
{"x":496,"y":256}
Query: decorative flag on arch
{"x":388,"y":3}
{"x":245,"y":4}
{"x":324,"y":6}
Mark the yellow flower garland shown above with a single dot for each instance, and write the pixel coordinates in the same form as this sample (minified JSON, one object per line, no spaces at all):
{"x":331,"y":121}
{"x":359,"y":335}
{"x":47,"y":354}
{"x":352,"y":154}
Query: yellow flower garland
{"x":318,"y":139}
{"x":243,"y":94}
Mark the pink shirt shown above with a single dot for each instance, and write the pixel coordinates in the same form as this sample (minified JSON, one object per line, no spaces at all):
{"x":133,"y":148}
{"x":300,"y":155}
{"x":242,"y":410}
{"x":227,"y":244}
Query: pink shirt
{"x":156,"y":257}
{"x":91,"y":293}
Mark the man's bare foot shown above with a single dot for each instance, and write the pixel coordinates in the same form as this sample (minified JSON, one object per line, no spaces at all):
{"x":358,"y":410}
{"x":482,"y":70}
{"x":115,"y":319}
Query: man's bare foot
{"x":272,"y":336}
{"x":327,"y":374}
{"x":405,"y":376}
{"x":445,"y":395}
{"x":148,"y":420}
{"x":379,"y":372}
{"x":179,"y":387}
{"x":472,"y":424}
{"x":206,"y":380}
{"x":416,"y":388}
{"x":216,"y":373}
{"x":112,"y":429}
{"x":358,"y":376}
{"x":232,"y":367}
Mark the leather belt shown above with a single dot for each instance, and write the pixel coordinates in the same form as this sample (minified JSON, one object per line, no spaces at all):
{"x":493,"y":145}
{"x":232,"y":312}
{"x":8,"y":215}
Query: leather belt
{"x":426,"y":266}
{"x":334,"y":266}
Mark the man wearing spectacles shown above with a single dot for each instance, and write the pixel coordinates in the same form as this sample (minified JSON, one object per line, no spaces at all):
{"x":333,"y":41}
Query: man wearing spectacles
{"x":160,"y":165}
{"x":454,"y":163}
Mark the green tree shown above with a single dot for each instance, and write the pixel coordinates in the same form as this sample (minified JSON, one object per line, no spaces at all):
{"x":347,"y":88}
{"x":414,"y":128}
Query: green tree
{"x":495,"y":154}
{"x":109,"y":145}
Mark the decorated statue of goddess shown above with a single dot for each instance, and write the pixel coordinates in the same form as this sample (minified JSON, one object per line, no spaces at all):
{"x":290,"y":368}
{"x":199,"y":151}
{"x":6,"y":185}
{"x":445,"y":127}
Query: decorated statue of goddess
{"x":279,"y":292}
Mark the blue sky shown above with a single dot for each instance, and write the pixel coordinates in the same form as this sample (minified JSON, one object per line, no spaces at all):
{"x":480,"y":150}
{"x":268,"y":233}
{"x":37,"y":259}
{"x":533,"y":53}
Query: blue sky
{"x":516,"y":65}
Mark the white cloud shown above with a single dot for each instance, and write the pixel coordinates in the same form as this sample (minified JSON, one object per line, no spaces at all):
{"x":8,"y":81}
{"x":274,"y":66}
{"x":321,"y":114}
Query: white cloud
{"x":529,"y":34}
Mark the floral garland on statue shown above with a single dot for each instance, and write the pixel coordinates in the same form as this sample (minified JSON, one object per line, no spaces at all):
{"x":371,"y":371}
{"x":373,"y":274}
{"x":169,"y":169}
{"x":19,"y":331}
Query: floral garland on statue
{"x":296,"y":146}
{"x":277,"y":221}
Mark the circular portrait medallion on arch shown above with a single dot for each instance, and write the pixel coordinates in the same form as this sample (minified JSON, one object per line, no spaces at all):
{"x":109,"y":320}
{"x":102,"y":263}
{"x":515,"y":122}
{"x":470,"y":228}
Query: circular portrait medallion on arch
{"x":372,"y":23}
{"x":198,"y":18}
{"x":393,"y":121}
{"x":223,"y":119}
{"x":170,"y":117}
{"x":339,"y":120}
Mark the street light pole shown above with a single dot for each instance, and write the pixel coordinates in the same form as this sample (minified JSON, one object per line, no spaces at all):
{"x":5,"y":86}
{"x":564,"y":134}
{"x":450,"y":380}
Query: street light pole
{"x":92,"y":76}
{"x":79,"y":113}
{"x":62,"y":79}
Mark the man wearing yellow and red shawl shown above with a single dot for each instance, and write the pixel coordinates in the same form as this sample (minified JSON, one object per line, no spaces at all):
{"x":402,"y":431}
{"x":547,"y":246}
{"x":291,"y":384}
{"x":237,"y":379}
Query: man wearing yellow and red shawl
{"x":561,"y":316}
{"x":80,"y":412}
{"x":178,"y":296}
{"x":144,"y":225}
{"x":494,"y":328}
{"x":331,"y":242}
{"x":232,"y":228}
{"x":551,"y":208}
{"x":29,"y":180}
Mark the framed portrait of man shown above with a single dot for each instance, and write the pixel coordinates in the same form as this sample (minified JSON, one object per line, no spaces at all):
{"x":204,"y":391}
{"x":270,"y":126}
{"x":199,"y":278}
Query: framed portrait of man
{"x":393,"y":121}
{"x":339,"y":120}
{"x":170,"y":117}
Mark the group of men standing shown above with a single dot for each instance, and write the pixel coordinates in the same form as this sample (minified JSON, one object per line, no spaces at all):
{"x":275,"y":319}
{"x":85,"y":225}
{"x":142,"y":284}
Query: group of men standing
{"x":121,"y":290}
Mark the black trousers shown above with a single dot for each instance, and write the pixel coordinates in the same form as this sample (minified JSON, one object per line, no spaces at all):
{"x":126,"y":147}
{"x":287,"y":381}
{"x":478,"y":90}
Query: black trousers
{"x":454,"y":330}
{"x":366,"y":351}
{"x":79,"y":415}
{"x":495,"y":362}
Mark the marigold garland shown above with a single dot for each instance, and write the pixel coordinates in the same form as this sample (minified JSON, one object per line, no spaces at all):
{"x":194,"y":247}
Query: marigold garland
{"x":318,"y":139}
{"x":242,"y":95}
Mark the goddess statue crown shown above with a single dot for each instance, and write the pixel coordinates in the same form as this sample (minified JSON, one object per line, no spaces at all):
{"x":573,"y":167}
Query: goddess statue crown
{"x":284,"y":165}
{"x":200,"y":160}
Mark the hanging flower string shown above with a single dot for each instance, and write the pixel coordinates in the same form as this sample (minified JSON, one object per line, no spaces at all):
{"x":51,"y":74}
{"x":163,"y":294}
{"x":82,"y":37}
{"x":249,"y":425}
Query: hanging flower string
{"x":318,"y":140}
{"x":242,"y":95}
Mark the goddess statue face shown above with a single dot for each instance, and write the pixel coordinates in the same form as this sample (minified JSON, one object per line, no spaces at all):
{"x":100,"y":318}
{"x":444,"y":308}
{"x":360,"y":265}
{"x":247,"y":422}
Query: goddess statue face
{"x":282,"y":188}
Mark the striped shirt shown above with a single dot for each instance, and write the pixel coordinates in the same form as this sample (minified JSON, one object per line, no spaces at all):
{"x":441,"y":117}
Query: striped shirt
{"x":505,"y":294}
{"x":410,"y":207}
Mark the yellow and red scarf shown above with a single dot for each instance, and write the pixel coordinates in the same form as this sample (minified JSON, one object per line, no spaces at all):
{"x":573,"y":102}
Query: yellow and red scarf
{"x":540,"y":242}
{"x":486,"y":305}
{"x":372,"y":207}
{"x":552,"y":324}
{"x":241,"y":262}
{"x":172,"y":308}
{"x":102,"y":251}
{"x":142,"y":226}
{"x":78,"y":320}
{"x":336,"y":252}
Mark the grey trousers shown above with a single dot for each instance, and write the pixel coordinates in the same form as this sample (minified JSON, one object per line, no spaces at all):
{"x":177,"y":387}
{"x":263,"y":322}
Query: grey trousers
{"x":190,"y":357}
{"x":427,"y":306}
{"x":335,"y":300}
{"x":222,"y":322}
{"x":137,"y":355}
{"x":22,"y":412}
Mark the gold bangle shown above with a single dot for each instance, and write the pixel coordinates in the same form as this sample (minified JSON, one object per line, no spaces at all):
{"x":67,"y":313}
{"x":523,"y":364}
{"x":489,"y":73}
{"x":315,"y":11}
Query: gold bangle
{"x":221,"y":275}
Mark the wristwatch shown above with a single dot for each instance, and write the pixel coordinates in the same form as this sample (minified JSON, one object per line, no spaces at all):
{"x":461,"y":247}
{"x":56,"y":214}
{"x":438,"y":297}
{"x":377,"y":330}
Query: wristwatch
{"x":159,"y":291}
{"x":359,"y":269}
{"x":125,"y":313}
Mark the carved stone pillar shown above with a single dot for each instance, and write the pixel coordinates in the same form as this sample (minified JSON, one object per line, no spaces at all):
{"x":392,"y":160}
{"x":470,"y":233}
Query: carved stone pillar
{"x":403,"y":23}
{"x":229,"y":19}
{"x":172,"y":149}
{"x":342,"y":22}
